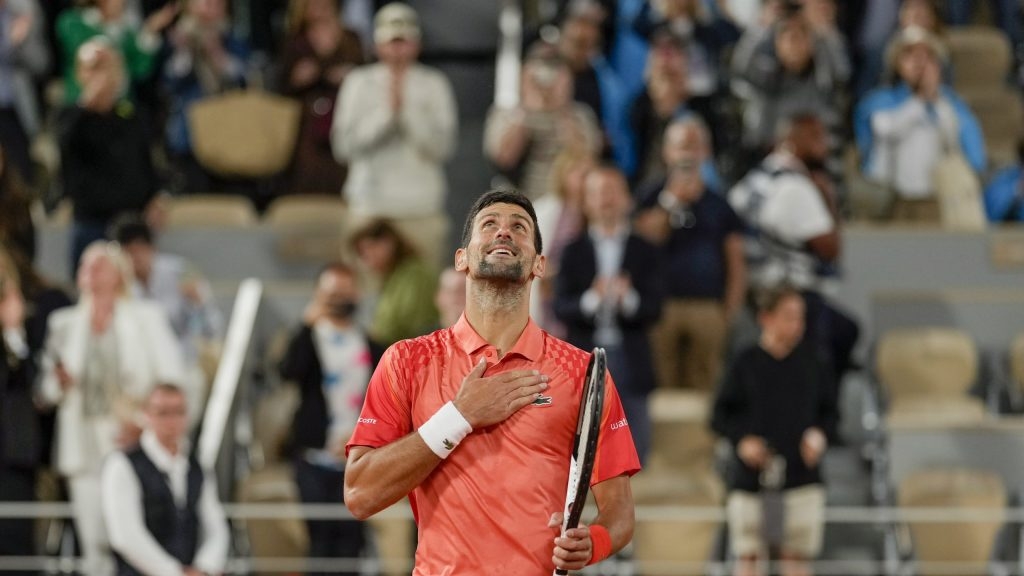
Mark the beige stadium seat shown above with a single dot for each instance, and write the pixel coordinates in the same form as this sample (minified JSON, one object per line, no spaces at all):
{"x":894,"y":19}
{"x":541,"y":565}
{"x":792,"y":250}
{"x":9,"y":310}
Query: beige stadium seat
{"x":309,"y":227}
{"x":210,"y":210}
{"x":680,"y":437}
{"x":1000,"y":114}
{"x":980,"y":56}
{"x":927,"y":373}
{"x":394,"y":539}
{"x":1017,"y":360}
{"x":274,"y":538}
{"x":675,"y":546}
{"x":969,"y":542}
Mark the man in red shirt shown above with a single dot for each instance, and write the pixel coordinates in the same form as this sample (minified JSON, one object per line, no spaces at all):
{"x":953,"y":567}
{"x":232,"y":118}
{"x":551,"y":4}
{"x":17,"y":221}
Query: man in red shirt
{"x":475,"y":423}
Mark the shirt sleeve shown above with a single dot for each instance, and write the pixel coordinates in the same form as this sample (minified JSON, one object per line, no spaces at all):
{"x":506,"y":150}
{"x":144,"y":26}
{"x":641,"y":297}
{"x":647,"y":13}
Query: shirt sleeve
{"x":121,"y":500}
{"x":213,"y":550}
{"x":616,"y":453}
{"x":386,"y":414}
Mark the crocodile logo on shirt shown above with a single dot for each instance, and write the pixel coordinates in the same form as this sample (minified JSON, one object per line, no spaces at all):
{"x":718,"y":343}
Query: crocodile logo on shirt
{"x":542,"y":400}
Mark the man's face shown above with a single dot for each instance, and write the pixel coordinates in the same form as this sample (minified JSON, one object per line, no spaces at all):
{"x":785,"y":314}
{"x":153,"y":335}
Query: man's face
{"x":97,"y":274}
{"x":683,"y":142}
{"x":810,"y":142}
{"x":605,"y":197}
{"x":793,"y":45}
{"x":398,"y":52}
{"x":786,"y":322}
{"x":579,"y":41}
{"x":167,"y":414}
{"x":141,"y":254}
{"x":501,"y":247}
{"x":338,"y":291}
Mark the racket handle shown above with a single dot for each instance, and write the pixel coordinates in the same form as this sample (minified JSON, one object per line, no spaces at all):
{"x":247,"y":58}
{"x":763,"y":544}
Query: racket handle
{"x":561,"y":572}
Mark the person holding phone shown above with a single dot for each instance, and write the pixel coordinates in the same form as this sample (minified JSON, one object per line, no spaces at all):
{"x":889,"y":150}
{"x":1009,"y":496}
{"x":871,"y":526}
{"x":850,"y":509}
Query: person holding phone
{"x":330,"y":359}
{"x":475,"y":422}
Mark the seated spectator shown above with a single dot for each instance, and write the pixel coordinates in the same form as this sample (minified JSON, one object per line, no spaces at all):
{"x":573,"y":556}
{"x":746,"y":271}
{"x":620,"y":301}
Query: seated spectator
{"x":181,"y":291}
{"x":137,"y":45}
{"x":104,"y":145}
{"x":608,"y":293}
{"x":24,"y":61}
{"x":161,"y":508}
{"x":102,"y":357}
{"x":17,"y":231}
{"x":595,"y":83}
{"x":704,"y":28}
{"x":686,"y":139}
{"x":777,"y":402}
{"x":205,"y":60}
{"x":701,"y":244}
{"x":20,"y":434}
{"x":318,"y":53}
{"x":665,"y":99}
{"x":330,"y":359}
{"x":404,"y":306}
{"x":903,"y":131}
{"x":1004,"y":195}
{"x":395,"y":124}
{"x":524,"y":141}
{"x":799,"y":63}
{"x":792,"y":233}
{"x":450,"y":298}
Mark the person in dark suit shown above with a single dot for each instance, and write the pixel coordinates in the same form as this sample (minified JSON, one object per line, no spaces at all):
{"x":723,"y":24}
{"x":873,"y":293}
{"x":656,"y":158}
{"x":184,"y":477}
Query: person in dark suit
{"x":608,"y":294}
{"x":330,"y":358}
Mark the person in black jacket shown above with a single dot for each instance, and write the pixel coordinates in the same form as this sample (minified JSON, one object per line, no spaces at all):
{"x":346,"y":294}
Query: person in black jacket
{"x":104,"y":142}
{"x":330,"y":358}
{"x":607,"y":293}
{"x":19,"y":425}
{"x":776,"y":405}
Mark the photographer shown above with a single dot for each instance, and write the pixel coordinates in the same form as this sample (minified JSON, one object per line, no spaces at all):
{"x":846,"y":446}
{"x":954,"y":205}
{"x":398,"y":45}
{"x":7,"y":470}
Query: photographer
{"x":330,"y":359}
{"x":523,"y":141}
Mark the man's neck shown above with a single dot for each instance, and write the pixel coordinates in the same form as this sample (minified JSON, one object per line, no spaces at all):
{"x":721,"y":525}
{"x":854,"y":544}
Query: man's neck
{"x":171,"y":446}
{"x":609,"y":228}
{"x":498,"y":313}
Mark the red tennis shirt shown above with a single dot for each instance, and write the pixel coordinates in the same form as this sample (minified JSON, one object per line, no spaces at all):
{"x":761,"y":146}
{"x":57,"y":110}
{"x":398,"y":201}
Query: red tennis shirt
{"x":485,"y":509}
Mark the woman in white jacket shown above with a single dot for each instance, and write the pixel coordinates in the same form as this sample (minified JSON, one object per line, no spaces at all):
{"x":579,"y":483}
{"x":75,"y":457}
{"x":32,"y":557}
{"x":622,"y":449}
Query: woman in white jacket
{"x":102,"y":356}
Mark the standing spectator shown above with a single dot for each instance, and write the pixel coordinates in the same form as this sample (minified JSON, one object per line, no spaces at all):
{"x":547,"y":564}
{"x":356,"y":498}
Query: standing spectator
{"x":792,"y":229}
{"x":450,"y":298}
{"x":318,"y":54}
{"x":182,"y":292}
{"x":608,"y":294}
{"x":205,"y":60}
{"x":404,"y":306}
{"x":17,"y":231}
{"x":777,"y":401}
{"x":706,"y":29}
{"x":701,"y":243}
{"x":161,"y":508}
{"x":904,"y":130}
{"x":137,"y":45}
{"x":20,"y":436}
{"x":396,"y":125}
{"x":523,"y":142}
{"x":101,"y":359}
{"x":105,"y":149}
{"x":799,"y":63}
{"x":330,"y":359}
{"x":24,"y":61}
{"x":686,"y":139}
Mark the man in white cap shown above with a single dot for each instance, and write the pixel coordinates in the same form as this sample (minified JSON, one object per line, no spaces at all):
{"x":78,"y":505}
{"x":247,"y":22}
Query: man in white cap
{"x":904,"y":130}
{"x":395,"y":125}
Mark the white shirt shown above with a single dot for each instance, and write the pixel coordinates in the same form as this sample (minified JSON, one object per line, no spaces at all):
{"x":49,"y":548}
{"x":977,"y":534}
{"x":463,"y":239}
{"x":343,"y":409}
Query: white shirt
{"x":345,"y":363}
{"x":909,"y":142}
{"x":609,"y":250}
{"x":788,"y":210}
{"x":396,"y":163}
{"x":121,"y":499}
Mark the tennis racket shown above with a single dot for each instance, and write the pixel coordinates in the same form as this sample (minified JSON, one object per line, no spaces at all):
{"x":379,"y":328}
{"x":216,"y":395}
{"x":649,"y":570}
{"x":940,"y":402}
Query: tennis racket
{"x":584,"y":447}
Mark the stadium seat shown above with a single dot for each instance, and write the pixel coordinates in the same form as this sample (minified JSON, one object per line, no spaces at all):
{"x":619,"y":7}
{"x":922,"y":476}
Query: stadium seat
{"x":1000,"y":114}
{"x":980,"y":56}
{"x":278,"y":537}
{"x":306,"y":210}
{"x":675,"y":546}
{"x":967,"y":542}
{"x":308,"y":227}
{"x":927,"y":372}
{"x":210,"y":210}
{"x":1017,"y":360}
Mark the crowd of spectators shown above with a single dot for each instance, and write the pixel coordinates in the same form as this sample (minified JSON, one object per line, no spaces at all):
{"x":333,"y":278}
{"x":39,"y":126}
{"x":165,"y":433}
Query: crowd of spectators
{"x":684,"y":157}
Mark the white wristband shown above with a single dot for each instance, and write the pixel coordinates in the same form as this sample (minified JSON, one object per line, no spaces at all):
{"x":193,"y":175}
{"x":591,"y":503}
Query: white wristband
{"x":445,"y":429}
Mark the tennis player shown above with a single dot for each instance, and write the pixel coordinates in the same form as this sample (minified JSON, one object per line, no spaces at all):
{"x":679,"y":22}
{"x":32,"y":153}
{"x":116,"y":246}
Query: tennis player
{"x":475,"y":423}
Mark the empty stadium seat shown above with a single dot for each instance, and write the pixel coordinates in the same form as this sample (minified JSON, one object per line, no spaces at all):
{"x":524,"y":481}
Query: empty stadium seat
{"x":1017,"y":360}
{"x":278,"y":537}
{"x":927,"y":373}
{"x":306,"y":210}
{"x":999,"y":111}
{"x":980,"y":56}
{"x":669,"y":546}
{"x":210,"y":210}
{"x":959,"y":541}
{"x":308,"y":227}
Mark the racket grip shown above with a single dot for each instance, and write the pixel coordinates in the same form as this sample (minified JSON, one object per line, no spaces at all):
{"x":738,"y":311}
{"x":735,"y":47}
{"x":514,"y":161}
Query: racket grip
{"x":561,"y":572}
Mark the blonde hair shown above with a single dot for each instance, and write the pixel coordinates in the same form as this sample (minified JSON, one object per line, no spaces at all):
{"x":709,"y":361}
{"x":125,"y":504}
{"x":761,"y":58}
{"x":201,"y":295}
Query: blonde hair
{"x":566,"y":160}
{"x":295,"y":18}
{"x":115,"y":255}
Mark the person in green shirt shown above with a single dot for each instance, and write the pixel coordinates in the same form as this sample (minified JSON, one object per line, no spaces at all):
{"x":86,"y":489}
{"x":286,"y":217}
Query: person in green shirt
{"x":405,"y":303}
{"x":138,"y":44}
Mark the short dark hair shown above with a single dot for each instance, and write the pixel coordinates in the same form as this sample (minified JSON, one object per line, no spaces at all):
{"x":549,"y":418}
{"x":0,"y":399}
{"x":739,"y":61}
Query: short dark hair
{"x":768,"y":299}
{"x":380,"y":229}
{"x":130,"y":228}
{"x":502,"y":196}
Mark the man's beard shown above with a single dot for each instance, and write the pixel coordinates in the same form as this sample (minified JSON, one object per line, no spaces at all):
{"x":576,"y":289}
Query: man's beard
{"x":506,"y":273}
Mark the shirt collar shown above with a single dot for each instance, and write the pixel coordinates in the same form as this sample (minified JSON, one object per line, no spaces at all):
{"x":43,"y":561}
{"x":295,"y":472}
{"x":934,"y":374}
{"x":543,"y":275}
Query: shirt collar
{"x":530,"y":344}
{"x":156,"y":452}
{"x":597,"y":234}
